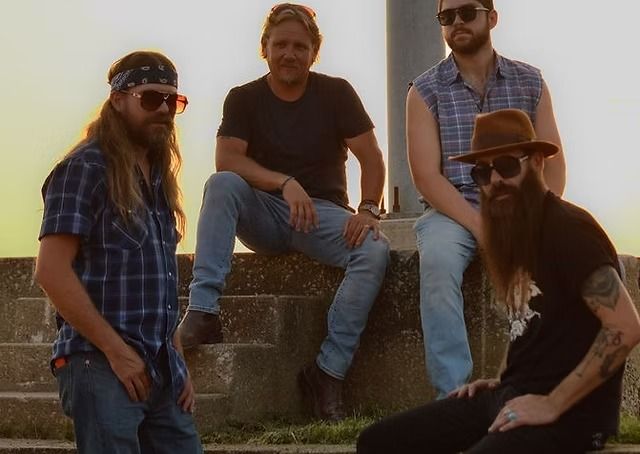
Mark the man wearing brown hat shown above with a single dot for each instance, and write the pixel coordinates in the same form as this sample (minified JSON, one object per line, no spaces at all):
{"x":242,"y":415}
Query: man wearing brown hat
{"x":571,"y":321}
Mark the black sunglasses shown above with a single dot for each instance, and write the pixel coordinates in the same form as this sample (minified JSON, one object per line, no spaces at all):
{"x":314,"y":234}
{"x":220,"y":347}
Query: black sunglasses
{"x":467,"y":13}
{"x":151,"y":100}
{"x":506,"y":166}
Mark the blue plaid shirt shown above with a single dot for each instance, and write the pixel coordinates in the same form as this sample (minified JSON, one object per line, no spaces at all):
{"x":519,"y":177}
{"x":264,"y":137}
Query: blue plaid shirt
{"x":129,"y":271}
{"x":454,"y":104}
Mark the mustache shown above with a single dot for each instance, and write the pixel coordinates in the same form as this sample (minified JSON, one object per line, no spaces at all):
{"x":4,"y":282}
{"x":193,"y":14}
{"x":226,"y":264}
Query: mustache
{"x":164,"y":119}
{"x":460,"y":29}
{"x":502,"y":189}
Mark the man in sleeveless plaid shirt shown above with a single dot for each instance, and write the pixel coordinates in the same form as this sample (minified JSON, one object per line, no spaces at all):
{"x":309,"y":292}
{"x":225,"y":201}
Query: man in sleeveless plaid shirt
{"x":441,"y":107}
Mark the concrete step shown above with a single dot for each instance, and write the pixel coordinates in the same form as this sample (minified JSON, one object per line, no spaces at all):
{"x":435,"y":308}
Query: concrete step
{"x":245,"y":319}
{"x":219,"y":368}
{"x":27,"y":320}
{"x":38,"y":415}
{"x":22,"y":446}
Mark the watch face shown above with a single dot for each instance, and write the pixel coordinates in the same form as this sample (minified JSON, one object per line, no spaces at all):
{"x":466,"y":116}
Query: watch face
{"x":373,"y":209}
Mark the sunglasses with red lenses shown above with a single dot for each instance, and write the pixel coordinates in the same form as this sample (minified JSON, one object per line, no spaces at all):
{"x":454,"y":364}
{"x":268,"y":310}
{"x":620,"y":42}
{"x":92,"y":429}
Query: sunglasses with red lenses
{"x":467,"y":13}
{"x":151,"y":100}
{"x":506,"y":166}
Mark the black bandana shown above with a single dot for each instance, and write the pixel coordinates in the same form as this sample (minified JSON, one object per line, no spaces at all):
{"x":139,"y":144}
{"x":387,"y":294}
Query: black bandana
{"x":144,"y":75}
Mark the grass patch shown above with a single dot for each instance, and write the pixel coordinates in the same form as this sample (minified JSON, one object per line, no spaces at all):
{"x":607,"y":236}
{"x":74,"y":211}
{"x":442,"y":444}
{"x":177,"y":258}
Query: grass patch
{"x":284,"y":432}
{"x":629,"y":432}
{"x":345,"y":432}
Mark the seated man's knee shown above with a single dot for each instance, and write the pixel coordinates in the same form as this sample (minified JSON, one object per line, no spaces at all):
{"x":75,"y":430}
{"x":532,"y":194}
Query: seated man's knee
{"x":225,"y":180}
{"x":225,"y":184}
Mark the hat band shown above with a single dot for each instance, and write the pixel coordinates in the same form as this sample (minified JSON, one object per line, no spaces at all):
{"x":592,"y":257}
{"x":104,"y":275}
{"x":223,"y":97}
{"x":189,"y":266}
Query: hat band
{"x":129,"y":78}
{"x":497,"y":140}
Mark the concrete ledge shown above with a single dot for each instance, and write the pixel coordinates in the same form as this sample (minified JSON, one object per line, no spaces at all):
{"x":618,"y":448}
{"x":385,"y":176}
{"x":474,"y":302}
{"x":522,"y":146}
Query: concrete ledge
{"x":39,"y":415}
{"x":388,"y":371}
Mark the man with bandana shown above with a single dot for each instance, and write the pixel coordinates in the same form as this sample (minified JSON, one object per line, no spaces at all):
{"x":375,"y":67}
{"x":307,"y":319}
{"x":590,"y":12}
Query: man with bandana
{"x":107,"y":261}
{"x":572,"y":323}
{"x":281,"y":186}
{"x":442,"y":104}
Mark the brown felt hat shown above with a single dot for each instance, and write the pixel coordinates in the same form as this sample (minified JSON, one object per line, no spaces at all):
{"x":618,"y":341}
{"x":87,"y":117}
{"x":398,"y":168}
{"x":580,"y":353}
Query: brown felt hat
{"x":503,"y":131}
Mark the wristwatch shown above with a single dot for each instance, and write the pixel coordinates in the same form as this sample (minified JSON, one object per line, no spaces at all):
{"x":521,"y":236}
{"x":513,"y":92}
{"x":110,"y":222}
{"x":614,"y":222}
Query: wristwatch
{"x":370,"y":207}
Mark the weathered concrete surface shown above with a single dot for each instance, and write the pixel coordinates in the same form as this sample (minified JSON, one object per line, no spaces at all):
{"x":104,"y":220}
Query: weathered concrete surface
{"x":221,"y":368}
{"x":388,"y":371}
{"x":631,"y":384}
{"x":38,"y":415}
{"x":400,"y":232}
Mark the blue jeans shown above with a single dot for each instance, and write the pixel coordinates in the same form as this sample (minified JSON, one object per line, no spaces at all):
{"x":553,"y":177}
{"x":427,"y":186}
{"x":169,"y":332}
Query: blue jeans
{"x":445,"y":249}
{"x":232,"y":207}
{"x":107,"y":421}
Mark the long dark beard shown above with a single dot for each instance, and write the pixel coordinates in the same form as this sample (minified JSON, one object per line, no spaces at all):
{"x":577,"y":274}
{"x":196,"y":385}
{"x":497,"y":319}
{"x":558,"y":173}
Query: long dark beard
{"x":512,"y":235}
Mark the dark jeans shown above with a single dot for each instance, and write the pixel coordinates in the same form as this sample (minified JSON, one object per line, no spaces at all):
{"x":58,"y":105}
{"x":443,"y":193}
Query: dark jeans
{"x":455,"y":425}
{"x":105,"y":420}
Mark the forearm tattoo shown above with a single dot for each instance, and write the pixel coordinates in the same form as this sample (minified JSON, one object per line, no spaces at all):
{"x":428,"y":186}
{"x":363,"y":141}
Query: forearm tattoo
{"x":602,"y":289}
{"x":608,"y":350}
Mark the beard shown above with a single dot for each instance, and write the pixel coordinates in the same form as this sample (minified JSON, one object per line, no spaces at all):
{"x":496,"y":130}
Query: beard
{"x":511,"y":220}
{"x":470,"y":47}
{"x":154,"y":133}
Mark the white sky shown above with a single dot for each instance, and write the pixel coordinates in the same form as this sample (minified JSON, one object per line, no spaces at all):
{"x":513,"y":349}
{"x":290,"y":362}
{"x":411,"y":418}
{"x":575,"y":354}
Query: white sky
{"x":56,"y":55}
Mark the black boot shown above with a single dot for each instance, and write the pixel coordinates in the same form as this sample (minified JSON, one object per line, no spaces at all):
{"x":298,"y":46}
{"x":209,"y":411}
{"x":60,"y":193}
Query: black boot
{"x":323,"y":392}
{"x":200,"y":328}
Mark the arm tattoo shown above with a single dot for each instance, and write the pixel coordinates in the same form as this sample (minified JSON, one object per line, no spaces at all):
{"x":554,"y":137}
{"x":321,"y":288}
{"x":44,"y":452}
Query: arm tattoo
{"x":602,"y":288}
{"x":609,"y":350}
{"x":612,"y":361}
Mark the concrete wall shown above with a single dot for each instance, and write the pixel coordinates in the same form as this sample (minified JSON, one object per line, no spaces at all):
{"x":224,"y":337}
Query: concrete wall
{"x":388,"y":372}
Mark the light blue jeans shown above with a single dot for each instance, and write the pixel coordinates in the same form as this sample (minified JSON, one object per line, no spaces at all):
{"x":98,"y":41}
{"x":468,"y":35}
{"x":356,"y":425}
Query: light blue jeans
{"x":232,"y":207}
{"x":445,"y":249}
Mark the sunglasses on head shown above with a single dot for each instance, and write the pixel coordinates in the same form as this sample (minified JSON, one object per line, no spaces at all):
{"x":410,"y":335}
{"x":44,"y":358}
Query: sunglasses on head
{"x":467,"y":13}
{"x":151,"y":100}
{"x":277,"y":9}
{"x":506,"y":166}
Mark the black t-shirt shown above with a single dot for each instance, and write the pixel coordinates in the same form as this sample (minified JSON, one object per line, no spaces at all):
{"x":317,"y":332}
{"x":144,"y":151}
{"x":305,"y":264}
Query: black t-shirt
{"x":561,"y":328}
{"x":304,"y":138}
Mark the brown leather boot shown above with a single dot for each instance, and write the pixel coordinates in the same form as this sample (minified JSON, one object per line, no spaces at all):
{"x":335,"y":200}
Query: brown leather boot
{"x":323,"y":392}
{"x":200,"y":328}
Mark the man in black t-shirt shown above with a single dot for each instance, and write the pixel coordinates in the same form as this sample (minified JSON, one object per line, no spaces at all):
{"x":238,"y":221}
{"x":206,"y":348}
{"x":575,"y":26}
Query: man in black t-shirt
{"x":572,"y":322}
{"x":281,"y":186}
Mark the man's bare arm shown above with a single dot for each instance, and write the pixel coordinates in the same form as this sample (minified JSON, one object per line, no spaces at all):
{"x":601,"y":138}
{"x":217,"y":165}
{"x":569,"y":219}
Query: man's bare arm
{"x":365,"y":148}
{"x":547,"y":129}
{"x":54,"y":273}
{"x":231,"y":155}
{"x":606,"y":296}
{"x":425,"y":157}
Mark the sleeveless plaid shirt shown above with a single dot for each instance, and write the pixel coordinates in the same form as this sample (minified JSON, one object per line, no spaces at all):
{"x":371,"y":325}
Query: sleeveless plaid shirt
{"x":454,"y":105}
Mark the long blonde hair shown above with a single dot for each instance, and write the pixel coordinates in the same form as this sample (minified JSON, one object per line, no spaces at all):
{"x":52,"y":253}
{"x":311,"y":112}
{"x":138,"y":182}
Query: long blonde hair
{"x":110,"y":131}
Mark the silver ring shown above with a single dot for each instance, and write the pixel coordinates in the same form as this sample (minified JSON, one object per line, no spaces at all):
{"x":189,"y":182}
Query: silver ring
{"x":511,"y":415}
